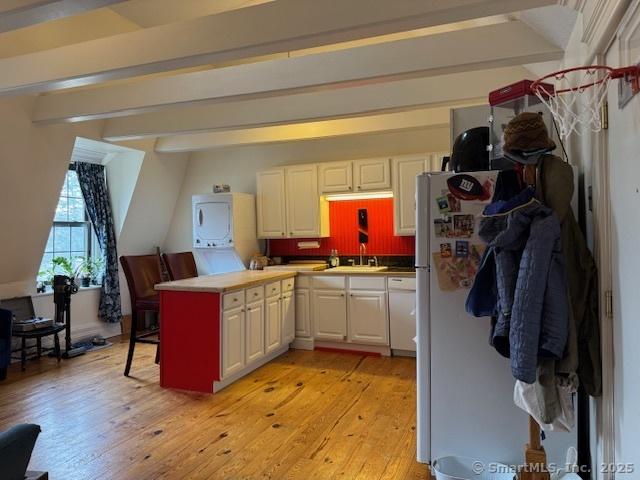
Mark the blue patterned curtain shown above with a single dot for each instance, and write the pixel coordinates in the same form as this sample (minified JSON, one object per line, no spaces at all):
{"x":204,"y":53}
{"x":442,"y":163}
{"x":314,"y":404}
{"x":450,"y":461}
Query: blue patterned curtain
{"x":94,"y":189}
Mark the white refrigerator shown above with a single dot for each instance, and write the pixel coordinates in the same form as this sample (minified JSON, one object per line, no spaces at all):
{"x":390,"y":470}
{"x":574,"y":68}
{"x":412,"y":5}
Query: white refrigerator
{"x":464,"y":387}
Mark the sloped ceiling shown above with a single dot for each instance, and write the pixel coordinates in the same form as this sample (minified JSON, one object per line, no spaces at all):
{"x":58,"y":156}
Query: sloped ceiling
{"x":555,"y":23}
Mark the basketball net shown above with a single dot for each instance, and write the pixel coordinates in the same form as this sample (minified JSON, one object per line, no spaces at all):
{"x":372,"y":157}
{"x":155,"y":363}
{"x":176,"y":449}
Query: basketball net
{"x":576,"y":99}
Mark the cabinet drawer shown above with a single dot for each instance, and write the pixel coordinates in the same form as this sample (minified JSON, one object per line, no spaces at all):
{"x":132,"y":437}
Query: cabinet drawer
{"x":233,"y":300}
{"x":329,"y":282}
{"x":272,"y":289}
{"x":303,"y":281}
{"x":254,"y":294}
{"x":366,"y":283}
{"x":402,"y":283}
{"x":288,"y":284}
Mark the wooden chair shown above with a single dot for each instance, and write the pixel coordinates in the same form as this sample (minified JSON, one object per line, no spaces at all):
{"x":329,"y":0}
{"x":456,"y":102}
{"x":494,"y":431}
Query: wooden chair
{"x":142,"y":273}
{"x":180,"y":265}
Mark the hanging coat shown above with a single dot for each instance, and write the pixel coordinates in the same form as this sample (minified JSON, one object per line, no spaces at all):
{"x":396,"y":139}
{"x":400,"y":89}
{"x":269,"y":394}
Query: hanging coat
{"x":532,"y":307}
{"x":583,"y":352}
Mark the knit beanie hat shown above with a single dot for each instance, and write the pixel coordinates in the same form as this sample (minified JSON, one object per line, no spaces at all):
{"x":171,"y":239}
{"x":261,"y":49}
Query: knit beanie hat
{"x":527,"y":132}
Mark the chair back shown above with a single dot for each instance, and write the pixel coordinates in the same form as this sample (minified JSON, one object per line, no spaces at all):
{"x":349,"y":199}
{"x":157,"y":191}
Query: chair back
{"x":142,"y":273}
{"x":16,"y":446}
{"x":180,"y":265}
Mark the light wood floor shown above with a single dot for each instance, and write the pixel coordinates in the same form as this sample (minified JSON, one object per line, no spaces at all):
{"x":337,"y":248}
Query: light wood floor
{"x":306,"y":415}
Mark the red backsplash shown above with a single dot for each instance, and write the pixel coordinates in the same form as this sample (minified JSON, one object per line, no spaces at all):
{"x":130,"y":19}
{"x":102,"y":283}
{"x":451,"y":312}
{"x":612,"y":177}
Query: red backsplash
{"x":344,"y":232}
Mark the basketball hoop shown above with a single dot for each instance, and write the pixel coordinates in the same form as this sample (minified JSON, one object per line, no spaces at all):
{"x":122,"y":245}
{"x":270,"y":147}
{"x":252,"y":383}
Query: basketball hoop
{"x":575,"y":95}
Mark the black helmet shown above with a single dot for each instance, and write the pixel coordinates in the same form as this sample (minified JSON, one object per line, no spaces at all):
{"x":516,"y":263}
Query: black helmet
{"x":469,"y":153}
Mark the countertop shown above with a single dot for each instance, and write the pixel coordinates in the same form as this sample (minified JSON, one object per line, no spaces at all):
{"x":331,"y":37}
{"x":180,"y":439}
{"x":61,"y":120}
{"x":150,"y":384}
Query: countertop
{"x":224,"y":282}
{"x":385,"y":273}
{"x":298,"y":267}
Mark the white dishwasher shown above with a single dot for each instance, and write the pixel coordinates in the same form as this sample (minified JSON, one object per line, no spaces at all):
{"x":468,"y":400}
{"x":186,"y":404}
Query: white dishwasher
{"x":402,"y":314}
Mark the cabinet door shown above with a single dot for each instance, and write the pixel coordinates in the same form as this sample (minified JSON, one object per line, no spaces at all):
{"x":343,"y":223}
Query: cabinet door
{"x":288,"y":318}
{"x":233,"y":341}
{"x":272,"y":323}
{"x":336,"y":177}
{"x":330,"y":315}
{"x":373,"y":174}
{"x":303,"y":201}
{"x":255,"y":331}
{"x":405,"y":171}
{"x":368,"y":320}
{"x":270,"y":203}
{"x":303,"y":315}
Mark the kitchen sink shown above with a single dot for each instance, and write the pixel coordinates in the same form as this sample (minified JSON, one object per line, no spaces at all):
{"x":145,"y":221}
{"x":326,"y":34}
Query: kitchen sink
{"x":358,"y":269}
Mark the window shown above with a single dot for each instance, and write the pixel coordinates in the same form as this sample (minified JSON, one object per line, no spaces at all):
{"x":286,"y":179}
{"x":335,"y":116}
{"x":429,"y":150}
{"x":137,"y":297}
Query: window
{"x":71,"y":235}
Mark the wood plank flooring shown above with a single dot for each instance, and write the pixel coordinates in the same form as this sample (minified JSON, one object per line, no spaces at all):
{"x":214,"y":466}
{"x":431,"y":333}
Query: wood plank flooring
{"x":305,"y":415}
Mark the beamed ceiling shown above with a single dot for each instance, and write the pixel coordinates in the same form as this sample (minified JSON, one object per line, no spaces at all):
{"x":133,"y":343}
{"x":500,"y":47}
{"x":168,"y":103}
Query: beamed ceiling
{"x":200,"y":74}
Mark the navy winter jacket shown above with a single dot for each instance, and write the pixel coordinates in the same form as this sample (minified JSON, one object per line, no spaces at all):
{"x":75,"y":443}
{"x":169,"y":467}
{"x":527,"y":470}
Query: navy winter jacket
{"x":524,"y":255}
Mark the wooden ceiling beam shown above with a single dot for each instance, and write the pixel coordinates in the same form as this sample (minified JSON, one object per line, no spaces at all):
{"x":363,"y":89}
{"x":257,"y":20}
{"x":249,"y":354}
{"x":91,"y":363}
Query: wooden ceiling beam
{"x":390,"y":122}
{"x":269,"y":28}
{"x":458,"y":51}
{"x":15,"y":14}
{"x":454,"y":89}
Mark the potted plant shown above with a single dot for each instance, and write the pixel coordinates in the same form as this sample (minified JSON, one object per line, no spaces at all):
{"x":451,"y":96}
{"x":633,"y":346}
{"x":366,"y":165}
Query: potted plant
{"x":84,"y":271}
{"x":58,"y":266}
{"x":62,"y":265}
{"x":97,"y":266}
{"x":89,"y":270}
{"x":45,"y":279}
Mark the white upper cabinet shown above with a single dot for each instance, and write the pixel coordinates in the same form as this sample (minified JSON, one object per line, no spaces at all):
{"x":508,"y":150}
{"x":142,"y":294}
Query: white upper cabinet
{"x":336,"y":177}
{"x":372,"y":174}
{"x":303,"y":205}
{"x":271,"y":204}
{"x":405,"y":171}
{"x":368,"y":320}
{"x":289,"y":204}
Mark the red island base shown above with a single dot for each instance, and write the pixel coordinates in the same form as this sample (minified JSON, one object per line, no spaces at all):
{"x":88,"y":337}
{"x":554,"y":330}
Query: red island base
{"x":189,"y":340}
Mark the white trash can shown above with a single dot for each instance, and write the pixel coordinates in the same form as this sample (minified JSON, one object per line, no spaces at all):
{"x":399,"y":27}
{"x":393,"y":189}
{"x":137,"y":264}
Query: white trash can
{"x":462,"y":468}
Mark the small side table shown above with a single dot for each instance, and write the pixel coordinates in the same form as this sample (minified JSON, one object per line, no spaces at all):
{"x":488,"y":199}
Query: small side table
{"x":38,"y":335}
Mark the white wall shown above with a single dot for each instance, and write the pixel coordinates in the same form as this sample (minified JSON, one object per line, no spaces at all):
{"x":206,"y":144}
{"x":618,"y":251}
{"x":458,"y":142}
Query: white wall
{"x":33,"y":164}
{"x":122,"y":171}
{"x":623,"y":142}
{"x":594,"y":30}
{"x":151,"y":207}
{"x":238,"y":166}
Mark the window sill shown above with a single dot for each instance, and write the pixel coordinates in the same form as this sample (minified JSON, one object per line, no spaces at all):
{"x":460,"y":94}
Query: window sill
{"x":81,"y":289}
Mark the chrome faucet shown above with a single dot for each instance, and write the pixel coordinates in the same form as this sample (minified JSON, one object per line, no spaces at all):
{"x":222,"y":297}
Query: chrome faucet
{"x":373,"y":262}
{"x":363,"y":252}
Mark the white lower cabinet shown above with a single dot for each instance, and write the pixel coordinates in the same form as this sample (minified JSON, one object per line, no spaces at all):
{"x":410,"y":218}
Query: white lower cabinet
{"x":330,"y":315}
{"x":233,"y":344}
{"x":288,"y":306}
{"x":255,"y":331}
{"x":303,"y":313}
{"x":350,"y":309}
{"x":368,"y":317}
{"x":273,"y":323}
